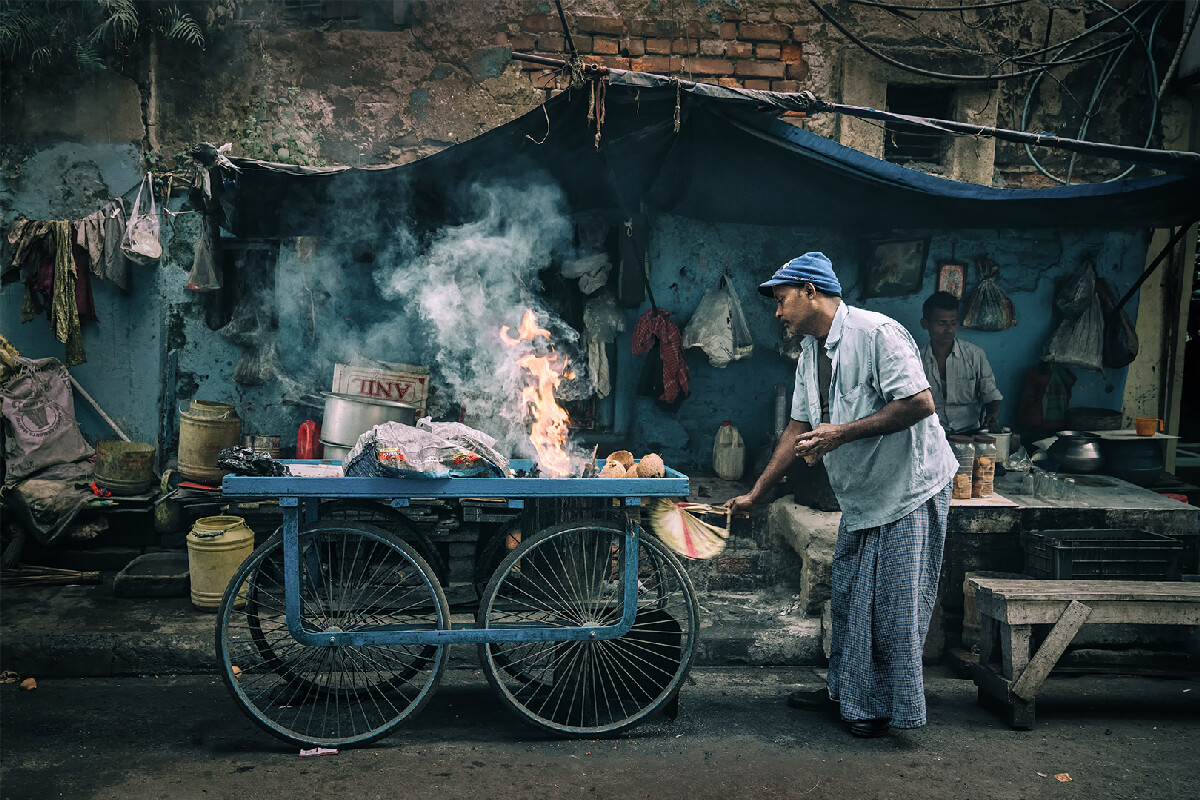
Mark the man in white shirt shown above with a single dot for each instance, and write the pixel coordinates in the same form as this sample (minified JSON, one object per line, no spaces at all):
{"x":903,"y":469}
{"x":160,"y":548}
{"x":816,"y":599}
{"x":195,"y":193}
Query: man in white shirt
{"x":960,"y":377}
{"x":868,"y":415}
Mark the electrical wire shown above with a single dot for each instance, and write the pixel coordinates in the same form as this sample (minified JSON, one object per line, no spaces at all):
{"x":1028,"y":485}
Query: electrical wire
{"x":1098,"y":91}
{"x":994,"y":76}
{"x":897,"y":7}
{"x":1189,"y":28}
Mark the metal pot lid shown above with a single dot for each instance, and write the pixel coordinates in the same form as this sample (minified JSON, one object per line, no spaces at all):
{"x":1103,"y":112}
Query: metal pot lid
{"x":371,"y":401}
{"x":1088,"y":435}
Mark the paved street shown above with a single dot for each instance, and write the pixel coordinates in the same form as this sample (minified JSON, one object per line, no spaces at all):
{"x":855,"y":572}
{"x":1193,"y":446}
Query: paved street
{"x":184,"y":738}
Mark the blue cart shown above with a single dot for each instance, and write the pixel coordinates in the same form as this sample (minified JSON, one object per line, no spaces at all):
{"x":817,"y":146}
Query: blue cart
{"x":334,"y":631}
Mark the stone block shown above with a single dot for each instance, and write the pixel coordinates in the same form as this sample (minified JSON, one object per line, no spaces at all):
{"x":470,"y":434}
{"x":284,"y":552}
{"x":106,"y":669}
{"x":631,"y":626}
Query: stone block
{"x":798,"y":71}
{"x":606,"y":46}
{"x":658,"y":47}
{"x":791,"y":52}
{"x":740,"y":50}
{"x":541,"y":23}
{"x":764,"y":33}
{"x":760,"y":69}
{"x":658,"y":64}
{"x":812,"y":534}
{"x":709,"y":66}
{"x":607,"y":25}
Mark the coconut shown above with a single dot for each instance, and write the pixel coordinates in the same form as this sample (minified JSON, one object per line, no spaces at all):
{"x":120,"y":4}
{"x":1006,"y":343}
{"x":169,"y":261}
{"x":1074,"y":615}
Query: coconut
{"x":612,"y":469}
{"x":624,"y":457}
{"x":651,"y":466}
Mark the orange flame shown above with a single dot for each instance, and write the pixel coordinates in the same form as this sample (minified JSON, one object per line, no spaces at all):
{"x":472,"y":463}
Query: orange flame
{"x":549,"y":434}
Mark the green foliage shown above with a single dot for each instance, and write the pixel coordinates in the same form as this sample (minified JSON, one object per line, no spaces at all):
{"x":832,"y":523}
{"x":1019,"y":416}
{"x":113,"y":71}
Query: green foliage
{"x":90,"y":34}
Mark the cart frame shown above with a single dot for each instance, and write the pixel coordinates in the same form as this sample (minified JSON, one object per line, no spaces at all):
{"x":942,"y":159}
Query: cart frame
{"x":301,"y":496}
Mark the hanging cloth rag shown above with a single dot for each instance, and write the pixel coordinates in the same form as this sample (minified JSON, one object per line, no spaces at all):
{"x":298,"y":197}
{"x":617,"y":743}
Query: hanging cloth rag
{"x":116,"y":265}
{"x":89,"y":236}
{"x":84,"y":303}
{"x":64,"y":313}
{"x":656,"y":327}
{"x":602,"y":319}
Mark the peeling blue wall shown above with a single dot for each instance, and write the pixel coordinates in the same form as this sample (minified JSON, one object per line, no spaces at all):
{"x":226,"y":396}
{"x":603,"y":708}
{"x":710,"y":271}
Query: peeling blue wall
{"x":152,"y":351}
{"x":124,"y":349}
{"x":688,"y":257}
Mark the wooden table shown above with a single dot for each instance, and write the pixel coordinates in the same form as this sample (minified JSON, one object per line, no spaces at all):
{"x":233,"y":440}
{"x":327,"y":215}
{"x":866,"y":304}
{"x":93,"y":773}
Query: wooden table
{"x":1009,"y":677}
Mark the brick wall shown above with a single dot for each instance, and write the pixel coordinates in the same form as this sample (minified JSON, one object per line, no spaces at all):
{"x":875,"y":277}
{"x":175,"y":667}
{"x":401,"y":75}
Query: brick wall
{"x":755,"y":55}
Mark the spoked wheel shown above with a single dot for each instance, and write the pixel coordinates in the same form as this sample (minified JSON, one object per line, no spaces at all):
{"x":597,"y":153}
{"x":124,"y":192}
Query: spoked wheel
{"x":380,"y":515}
{"x":569,"y":576}
{"x":352,"y":577}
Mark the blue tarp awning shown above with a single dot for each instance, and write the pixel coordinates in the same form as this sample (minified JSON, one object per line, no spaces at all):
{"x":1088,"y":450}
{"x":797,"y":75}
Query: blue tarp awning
{"x":730,"y":161}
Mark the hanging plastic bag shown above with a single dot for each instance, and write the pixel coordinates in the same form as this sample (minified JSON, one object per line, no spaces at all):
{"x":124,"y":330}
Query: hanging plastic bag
{"x":204,"y":276}
{"x":1075,"y":296}
{"x":1079,"y":341}
{"x":140,"y":243}
{"x":718,"y":326}
{"x":1120,"y":337}
{"x":989,"y":309}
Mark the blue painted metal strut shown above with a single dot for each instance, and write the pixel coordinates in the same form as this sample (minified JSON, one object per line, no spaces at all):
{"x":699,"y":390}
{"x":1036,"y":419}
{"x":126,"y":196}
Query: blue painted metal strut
{"x":297,"y":495}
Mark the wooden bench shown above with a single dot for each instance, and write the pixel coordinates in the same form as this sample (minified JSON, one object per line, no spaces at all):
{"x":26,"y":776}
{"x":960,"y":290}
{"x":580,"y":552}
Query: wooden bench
{"x":1009,"y":678}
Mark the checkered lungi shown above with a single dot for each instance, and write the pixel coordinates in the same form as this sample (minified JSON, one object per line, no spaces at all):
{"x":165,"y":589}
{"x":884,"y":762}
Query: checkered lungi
{"x":884,"y":585}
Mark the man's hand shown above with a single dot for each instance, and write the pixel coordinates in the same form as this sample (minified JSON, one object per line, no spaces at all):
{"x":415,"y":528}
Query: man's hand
{"x":825,"y":438}
{"x":741,"y":504}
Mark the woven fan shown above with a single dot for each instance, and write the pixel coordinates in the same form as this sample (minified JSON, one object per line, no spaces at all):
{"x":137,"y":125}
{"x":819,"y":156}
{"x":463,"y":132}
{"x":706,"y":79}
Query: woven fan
{"x":676,"y":524}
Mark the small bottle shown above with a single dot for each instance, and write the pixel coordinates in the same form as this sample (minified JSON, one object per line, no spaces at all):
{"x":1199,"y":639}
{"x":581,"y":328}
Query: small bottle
{"x":729,"y":452}
{"x":964,"y":451}
{"x":308,"y":440}
{"x":984,"y":477}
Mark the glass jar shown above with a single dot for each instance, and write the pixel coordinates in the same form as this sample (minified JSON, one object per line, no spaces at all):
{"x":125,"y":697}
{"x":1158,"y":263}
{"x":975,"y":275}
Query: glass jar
{"x":964,"y":451}
{"x":984,"y":477}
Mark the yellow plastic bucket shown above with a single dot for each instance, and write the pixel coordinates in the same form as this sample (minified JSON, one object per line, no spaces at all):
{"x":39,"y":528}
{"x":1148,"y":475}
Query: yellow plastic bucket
{"x":217,"y":546}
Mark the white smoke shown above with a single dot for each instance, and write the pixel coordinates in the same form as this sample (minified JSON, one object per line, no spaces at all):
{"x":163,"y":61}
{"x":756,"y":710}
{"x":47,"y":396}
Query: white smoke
{"x":445,"y":296}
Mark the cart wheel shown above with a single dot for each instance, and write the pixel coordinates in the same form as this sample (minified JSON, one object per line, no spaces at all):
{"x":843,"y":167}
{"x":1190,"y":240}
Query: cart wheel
{"x":569,"y":576}
{"x":379,"y":515}
{"x":352,"y":577}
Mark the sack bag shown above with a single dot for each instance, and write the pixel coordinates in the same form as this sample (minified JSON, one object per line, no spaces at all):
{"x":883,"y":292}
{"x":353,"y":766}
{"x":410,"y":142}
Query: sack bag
{"x":39,"y":419}
{"x":1120,"y":337}
{"x":718,"y":326}
{"x":989,"y":309}
{"x":1079,"y":341}
{"x":1045,"y":398}
{"x":140,"y":243}
{"x":204,"y":275}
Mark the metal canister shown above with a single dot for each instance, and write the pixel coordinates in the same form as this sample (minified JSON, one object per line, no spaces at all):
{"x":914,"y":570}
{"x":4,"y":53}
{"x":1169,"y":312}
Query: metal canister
{"x":262,"y":443}
{"x":206,"y":429}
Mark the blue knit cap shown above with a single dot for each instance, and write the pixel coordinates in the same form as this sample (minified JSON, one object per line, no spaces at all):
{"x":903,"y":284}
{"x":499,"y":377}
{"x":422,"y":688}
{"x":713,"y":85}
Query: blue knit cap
{"x":812,"y":268}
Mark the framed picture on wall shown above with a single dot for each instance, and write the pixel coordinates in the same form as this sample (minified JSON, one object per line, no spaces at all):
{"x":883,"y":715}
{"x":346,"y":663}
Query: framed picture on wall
{"x":952,"y":278}
{"x":895,"y":268}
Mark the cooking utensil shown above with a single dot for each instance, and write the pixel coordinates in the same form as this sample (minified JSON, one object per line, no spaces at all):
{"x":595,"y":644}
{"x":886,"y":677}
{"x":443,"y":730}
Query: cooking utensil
{"x":1077,"y":451}
{"x":334,"y":452}
{"x":348,"y":416}
{"x":1136,"y":459}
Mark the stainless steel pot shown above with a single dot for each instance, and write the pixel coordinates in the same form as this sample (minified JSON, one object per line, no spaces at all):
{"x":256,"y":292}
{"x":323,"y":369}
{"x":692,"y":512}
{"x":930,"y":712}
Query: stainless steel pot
{"x":1076,"y":451}
{"x":334,"y":452}
{"x":348,"y":416}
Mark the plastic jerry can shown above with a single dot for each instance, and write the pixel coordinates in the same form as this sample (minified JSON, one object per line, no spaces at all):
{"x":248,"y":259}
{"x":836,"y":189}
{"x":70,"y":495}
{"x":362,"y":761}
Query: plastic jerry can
{"x":729,"y":452}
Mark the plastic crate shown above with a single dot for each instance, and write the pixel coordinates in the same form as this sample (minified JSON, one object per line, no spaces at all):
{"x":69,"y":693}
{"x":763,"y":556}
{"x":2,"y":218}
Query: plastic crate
{"x":1118,"y":554}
